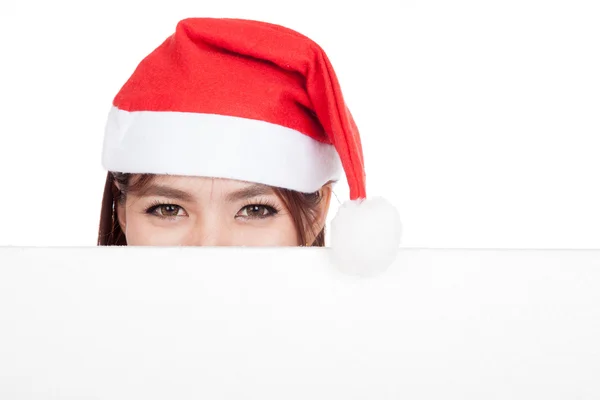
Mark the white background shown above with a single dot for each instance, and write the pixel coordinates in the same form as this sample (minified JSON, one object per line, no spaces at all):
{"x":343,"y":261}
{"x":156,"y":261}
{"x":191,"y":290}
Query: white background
{"x":480,"y":120}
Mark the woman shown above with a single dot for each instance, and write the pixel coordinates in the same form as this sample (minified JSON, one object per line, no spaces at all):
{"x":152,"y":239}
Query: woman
{"x":231,"y":132}
{"x":180,"y":210}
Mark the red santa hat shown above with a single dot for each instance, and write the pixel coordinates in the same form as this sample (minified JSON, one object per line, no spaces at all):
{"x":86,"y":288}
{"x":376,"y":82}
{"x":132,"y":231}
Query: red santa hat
{"x":255,"y":102}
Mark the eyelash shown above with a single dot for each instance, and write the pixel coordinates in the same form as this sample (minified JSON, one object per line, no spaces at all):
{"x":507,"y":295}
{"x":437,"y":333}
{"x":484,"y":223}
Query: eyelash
{"x":269,"y":205}
{"x":156,"y":205}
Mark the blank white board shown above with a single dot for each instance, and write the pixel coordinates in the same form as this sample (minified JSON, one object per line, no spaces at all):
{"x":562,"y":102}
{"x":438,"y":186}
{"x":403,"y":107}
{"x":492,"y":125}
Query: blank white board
{"x":226,"y":323}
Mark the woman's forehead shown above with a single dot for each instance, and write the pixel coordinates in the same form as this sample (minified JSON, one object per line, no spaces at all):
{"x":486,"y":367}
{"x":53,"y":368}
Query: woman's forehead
{"x":198,"y":184}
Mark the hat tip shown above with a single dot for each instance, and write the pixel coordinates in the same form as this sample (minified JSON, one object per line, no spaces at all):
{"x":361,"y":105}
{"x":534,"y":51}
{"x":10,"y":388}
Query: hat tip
{"x":365,"y":236}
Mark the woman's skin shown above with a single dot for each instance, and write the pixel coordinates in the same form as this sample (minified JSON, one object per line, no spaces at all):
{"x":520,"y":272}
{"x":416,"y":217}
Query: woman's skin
{"x":197,"y":211}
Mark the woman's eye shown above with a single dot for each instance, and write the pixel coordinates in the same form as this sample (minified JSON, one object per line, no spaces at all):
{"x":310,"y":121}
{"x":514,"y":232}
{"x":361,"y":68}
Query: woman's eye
{"x":256,"y":211}
{"x":167,"y":211}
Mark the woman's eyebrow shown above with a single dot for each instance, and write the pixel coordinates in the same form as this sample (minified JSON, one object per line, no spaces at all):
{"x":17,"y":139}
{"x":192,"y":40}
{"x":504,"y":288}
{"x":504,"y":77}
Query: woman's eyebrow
{"x":166,"y":191}
{"x":249,"y":191}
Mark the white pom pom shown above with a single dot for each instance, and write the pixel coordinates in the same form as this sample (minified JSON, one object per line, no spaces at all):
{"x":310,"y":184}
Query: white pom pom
{"x":365,"y":236}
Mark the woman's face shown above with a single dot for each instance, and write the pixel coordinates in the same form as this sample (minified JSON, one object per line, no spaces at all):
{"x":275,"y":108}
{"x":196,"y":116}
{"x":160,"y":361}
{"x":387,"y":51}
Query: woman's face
{"x":196,"y":211}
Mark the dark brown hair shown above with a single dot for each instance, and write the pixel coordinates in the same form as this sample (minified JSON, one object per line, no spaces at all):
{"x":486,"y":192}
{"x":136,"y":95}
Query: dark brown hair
{"x":301,"y":206}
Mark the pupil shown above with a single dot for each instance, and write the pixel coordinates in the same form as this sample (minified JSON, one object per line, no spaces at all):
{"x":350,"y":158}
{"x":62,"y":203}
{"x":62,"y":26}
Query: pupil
{"x":170,"y":209}
{"x":255,"y":209}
